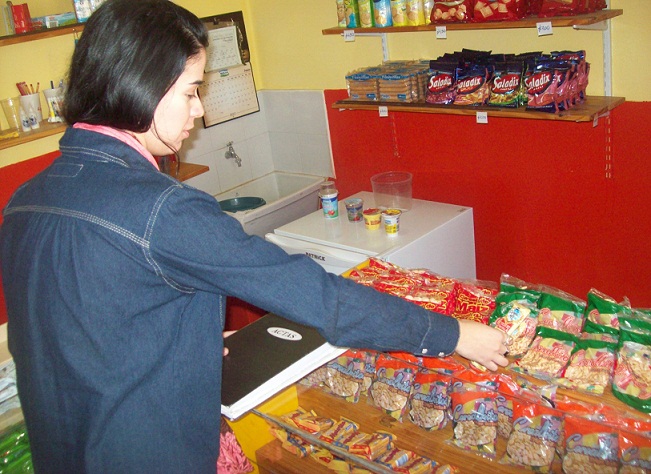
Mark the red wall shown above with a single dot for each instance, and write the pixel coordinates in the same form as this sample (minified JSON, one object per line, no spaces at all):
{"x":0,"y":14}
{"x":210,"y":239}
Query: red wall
{"x":11,"y":177}
{"x":545,"y":210}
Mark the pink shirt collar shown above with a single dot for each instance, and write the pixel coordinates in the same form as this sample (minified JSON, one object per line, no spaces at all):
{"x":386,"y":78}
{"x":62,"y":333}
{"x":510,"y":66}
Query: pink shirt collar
{"x":122,"y":136}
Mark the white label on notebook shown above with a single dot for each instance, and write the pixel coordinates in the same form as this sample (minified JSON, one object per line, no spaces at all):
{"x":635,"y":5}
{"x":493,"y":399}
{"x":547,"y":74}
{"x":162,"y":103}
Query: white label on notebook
{"x":286,"y":334}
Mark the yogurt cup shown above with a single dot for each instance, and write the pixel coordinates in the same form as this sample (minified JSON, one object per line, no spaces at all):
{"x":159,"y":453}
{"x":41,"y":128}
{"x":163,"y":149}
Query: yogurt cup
{"x":391,"y":218}
{"x":372,"y":218}
{"x":354,"y":209}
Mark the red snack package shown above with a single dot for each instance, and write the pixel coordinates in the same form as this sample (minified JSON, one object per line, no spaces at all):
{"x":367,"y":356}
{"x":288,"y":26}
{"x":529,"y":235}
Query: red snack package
{"x":393,"y":381}
{"x":498,"y":10}
{"x":475,"y":300}
{"x":537,"y":430}
{"x":590,"y":446}
{"x":429,"y":400}
{"x":474,"y":416}
{"x":451,"y":11}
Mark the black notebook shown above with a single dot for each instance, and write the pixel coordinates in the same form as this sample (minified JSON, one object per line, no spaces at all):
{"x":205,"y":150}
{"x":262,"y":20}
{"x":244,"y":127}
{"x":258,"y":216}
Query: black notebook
{"x":267,"y":356}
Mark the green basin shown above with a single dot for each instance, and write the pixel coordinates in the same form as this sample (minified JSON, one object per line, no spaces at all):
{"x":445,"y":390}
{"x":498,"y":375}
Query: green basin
{"x":245,"y":203}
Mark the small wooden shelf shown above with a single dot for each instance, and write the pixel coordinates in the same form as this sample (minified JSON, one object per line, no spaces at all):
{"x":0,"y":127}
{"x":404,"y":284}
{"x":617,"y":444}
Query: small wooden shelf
{"x":41,"y":34}
{"x":46,"y":129}
{"x":591,"y":108}
{"x":528,"y":22}
{"x":190,"y":170}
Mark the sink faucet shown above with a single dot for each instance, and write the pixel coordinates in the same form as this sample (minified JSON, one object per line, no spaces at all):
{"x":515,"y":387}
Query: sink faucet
{"x":230,"y":153}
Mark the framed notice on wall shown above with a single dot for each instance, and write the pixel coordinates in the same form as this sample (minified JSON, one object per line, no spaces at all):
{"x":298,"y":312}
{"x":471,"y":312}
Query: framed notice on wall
{"x":228,"y":91}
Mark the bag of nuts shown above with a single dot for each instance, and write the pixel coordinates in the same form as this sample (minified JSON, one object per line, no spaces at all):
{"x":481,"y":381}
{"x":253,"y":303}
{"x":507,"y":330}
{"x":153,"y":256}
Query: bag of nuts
{"x":392,"y":384}
{"x":429,"y":401}
{"x":536,"y":432}
{"x":474,"y":418}
{"x":589,"y":446}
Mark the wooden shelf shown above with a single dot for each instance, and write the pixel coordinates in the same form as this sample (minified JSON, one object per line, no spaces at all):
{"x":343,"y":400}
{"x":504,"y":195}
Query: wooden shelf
{"x":190,"y":170}
{"x":46,"y":129}
{"x":591,"y":108}
{"x":41,"y":34}
{"x":528,"y":22}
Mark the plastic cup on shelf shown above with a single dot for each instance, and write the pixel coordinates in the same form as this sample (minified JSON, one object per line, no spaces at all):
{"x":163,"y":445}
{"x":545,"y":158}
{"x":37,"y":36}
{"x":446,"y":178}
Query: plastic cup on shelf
{"x":11,"y":109}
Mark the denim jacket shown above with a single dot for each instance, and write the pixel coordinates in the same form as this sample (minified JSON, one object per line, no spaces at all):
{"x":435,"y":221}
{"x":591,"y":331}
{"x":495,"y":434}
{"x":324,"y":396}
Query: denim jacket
{"x":116,"y":277}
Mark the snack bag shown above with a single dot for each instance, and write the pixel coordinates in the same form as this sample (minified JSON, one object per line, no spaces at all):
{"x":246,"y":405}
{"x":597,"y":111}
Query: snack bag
{"x":591,"y":364}
{"x":316,"y":379}
{"x":429,"y":401}
{"x":516,"y":314}
{"x":394,"y":457}
{"x":445,"y":365}
{"x":560,"y":311}
{"x":451,"y":11}
{"x":372,"y":445}
{"x":475,"y":300}
{"x":345,"y":375}
{"x":535,"y":435}
{"x":590,"y":446}
{"x":437,"y":295}
{"x":634,"y":453}
{"x":392,"y":385}
{"x":339,"y":430}
{"x":632,"y":378}
{"x":442,"y":82}
{"x":545,"y":359}
{"x":507,"y":395}
{"x":474,"y":418}
{"x":506,"y":86}
{"x":602,"y":313}
{"x":498,"y":10}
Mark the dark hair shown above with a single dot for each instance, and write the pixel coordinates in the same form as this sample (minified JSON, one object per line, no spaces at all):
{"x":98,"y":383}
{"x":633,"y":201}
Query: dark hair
{"x":128,"y":57}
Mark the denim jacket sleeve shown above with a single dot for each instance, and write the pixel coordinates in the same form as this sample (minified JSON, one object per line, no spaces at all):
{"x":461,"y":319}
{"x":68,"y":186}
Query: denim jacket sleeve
{"x":196,"y":245}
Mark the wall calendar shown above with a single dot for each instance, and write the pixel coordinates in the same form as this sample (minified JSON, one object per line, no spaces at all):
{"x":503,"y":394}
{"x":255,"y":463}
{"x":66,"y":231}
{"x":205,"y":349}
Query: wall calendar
{"x":228,"y":91}
{"x":227,"y":94}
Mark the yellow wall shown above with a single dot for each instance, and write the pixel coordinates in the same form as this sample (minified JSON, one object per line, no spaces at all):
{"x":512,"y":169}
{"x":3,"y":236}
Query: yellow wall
{"x":288,"y":50}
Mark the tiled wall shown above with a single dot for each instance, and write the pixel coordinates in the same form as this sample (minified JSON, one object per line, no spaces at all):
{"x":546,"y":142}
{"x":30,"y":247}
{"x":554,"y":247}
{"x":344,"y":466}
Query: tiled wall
{"x":290,"y":133}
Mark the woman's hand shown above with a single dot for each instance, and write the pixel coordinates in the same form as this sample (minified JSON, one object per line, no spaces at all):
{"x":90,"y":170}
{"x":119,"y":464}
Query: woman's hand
{"x":226,"y":334}
{"x":481,"y":343}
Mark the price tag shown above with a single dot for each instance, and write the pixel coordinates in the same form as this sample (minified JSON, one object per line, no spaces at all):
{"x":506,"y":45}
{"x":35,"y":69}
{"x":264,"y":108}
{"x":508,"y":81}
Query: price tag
{"x":349,"y":35}
{"x":383,"y":110}
{"x":544,"y":28}
{"x":441,"y":32}
{"x":482,"y":117}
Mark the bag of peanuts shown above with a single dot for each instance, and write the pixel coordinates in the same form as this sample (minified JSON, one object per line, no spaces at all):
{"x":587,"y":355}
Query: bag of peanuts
{"x":560,"y":311}
{"x":536,"y":432}
{"x":516,"y":315}
{"x":632,"y":378}
{"x":590,"y":446}
{"x":474,"y":420}
{"x":392,"y":385}
{"x":345,"y":375}
{"x":602,"y":313}
{"x":545,"y":359}
{"x":634,"y":453}
{"x":591,"y":364}
{"x":429,"y":400}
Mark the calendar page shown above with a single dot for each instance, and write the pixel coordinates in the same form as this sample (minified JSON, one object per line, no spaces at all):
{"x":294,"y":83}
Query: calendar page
{"x":227,"y":94}
{"x":228,"y":91}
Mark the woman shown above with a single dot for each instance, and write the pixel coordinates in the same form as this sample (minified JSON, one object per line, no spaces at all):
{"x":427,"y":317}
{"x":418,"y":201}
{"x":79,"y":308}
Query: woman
{"x":116,"y":275}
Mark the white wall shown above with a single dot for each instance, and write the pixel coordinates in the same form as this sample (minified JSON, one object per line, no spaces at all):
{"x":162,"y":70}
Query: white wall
{"x":290,"y":133}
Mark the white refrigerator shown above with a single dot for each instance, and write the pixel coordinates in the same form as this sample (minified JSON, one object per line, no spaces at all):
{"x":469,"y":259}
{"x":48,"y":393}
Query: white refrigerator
{"x":436,"y":236}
